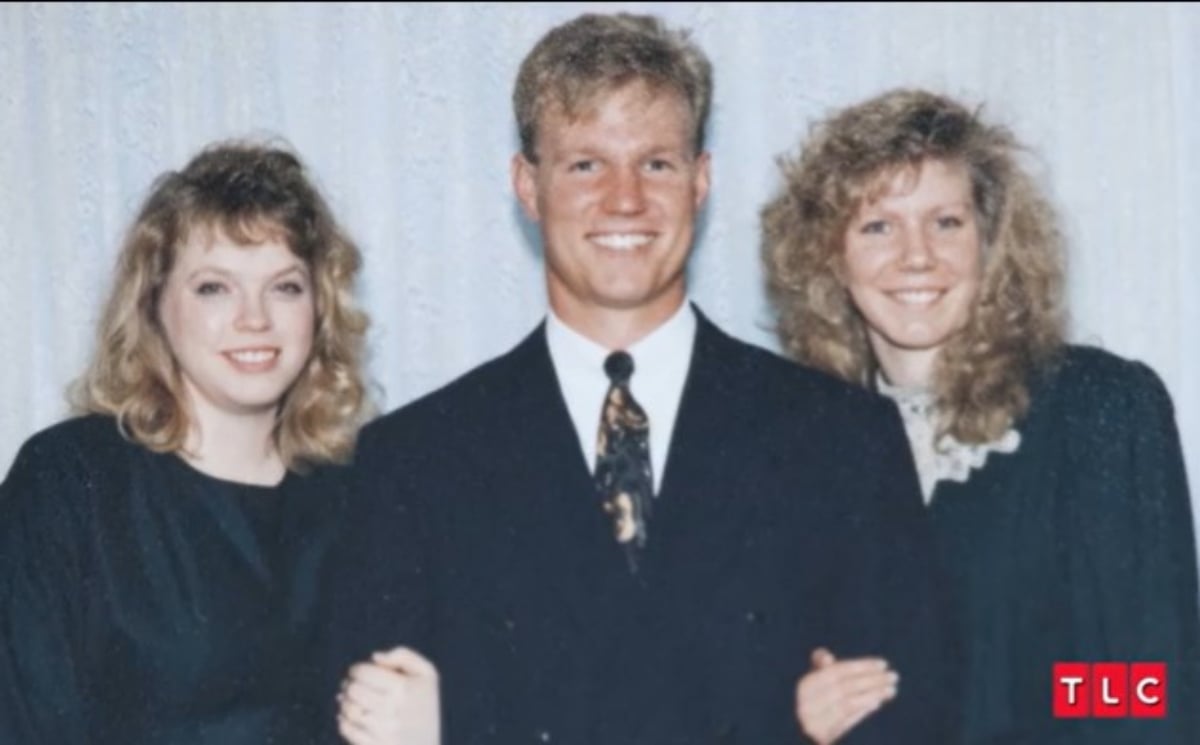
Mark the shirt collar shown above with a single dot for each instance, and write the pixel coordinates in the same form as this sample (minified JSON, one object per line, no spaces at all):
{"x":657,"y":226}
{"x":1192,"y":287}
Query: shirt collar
{"x":661,"y":361}
{"x":663,"y":353}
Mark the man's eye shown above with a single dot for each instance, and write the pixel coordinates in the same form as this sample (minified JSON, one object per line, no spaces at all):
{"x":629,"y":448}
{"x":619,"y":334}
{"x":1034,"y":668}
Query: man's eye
{"x":947,"y":222}
{"x":583,"y":166}
{"x":659,"y":164}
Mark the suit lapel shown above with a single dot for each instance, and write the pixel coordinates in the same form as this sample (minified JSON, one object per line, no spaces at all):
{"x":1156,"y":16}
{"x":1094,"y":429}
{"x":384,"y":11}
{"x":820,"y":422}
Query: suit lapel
{"x":564,"y":573}
{"x":701,"y":512}
{"x":565,"y":538}
{"x":568,"y":541}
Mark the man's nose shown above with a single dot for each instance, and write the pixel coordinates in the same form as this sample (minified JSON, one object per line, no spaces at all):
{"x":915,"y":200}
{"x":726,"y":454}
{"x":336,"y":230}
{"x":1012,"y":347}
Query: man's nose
{"x":626,"y":192}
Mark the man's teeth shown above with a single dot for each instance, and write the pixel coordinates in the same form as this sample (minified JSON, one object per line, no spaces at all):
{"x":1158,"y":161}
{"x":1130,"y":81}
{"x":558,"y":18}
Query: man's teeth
{"x":622,"y":241}
{"x":255,"y":356}
{"x":917,"y":297}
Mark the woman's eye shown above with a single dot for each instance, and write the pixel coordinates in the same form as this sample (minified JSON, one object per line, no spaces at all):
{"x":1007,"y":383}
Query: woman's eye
{"x":949,"y":221}
{"x":873,"y":227}
{"x":291,"y":287}
{"x":209,"y":288}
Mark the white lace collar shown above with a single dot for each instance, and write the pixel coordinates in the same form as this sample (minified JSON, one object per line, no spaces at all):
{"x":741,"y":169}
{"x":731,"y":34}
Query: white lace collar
{"x":948,"y":459}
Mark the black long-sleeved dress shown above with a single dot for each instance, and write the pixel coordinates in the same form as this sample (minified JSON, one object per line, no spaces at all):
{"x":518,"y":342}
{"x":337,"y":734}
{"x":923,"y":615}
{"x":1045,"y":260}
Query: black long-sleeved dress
{"x":144,"y":602}
{"x":1079,"y":546}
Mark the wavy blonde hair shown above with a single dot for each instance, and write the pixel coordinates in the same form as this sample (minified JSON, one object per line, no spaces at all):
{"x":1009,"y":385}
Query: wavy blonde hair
{"x":1016,"y":325}
{"x":249,"y":192}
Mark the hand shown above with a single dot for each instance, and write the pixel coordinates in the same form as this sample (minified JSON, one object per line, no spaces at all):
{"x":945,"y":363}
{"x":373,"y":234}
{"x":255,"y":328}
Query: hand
{"x":392,"y":699}
{"x":833,"y":697}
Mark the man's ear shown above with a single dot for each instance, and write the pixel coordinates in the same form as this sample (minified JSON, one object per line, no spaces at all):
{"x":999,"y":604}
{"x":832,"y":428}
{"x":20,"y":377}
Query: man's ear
{"x":702,"y":178}
{"x":524,"y":181}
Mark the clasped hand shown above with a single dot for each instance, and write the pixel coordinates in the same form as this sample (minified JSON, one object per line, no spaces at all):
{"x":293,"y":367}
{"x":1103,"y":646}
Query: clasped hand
{"x":391,"y":699}
{"x":836,"y":695}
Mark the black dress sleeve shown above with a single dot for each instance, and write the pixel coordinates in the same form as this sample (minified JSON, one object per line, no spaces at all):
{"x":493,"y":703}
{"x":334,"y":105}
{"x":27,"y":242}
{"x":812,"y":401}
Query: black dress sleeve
{"x":44,"y":592}
{"x":1128,"y":543}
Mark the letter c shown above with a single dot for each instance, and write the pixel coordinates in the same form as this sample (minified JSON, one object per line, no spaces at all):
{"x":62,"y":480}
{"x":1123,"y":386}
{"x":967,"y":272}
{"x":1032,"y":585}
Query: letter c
{"x":1140,"y":690}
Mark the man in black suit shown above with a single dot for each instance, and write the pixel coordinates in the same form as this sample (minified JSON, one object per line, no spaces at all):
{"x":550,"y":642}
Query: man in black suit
{"x":633,"y":528}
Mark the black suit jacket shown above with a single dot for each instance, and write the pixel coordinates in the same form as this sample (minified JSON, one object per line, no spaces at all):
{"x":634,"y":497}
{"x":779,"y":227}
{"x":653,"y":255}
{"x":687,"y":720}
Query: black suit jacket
{"x":789,"y":517}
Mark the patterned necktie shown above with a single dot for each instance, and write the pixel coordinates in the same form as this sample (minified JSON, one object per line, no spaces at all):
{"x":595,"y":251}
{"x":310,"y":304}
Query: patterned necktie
{"x":624,"y":478}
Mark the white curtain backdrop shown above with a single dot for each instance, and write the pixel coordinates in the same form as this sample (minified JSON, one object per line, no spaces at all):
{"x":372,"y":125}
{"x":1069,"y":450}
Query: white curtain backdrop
{"x":403,"y":113}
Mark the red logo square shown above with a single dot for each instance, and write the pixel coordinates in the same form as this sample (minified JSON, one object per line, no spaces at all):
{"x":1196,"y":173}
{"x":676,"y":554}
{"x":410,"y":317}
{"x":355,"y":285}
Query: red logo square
{"x":1148,"y":689}
{"x":1110,"y":689}
{"x":1072,"y":689}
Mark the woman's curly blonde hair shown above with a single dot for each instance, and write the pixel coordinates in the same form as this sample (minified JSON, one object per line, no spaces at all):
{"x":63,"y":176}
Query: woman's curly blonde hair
{"x":1016,"y":325}
{"x":249,"y":192}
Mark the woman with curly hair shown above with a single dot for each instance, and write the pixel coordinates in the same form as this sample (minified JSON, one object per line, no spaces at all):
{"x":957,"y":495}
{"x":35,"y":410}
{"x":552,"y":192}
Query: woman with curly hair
{"x":159,"y":553}
{"x":909,"y":252}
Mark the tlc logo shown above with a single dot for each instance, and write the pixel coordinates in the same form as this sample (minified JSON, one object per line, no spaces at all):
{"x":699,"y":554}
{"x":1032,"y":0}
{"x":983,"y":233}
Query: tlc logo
{"x":1110,"y":689}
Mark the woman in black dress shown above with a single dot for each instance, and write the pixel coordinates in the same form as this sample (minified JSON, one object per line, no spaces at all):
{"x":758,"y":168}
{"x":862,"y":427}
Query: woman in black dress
{"x":909,"y":252}
{"x":159,"y":553}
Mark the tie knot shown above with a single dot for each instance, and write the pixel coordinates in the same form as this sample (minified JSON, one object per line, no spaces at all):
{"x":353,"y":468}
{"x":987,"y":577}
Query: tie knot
{"x":619,"y":367}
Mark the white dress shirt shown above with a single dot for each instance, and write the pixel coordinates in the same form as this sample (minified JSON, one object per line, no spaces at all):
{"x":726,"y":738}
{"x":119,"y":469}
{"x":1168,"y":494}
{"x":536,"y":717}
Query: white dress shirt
{"x":660,"y":366}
